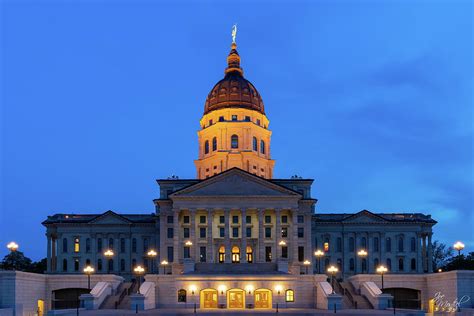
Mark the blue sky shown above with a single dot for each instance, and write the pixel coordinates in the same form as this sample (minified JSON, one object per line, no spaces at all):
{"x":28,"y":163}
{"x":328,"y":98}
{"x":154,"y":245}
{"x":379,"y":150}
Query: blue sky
{"x":372,"y":99}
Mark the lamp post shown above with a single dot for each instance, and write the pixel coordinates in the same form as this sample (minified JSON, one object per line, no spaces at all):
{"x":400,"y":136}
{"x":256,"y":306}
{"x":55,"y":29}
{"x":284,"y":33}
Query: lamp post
{"x":152,"y":254}
{"x":382,"y":269}
{"x":193,"y":290}
{"x":278,"y":289}
{"x":139,"y":270}
{"x":363,"y":254}
{"x":164,"y":263}
{"x":333,"y":270}
{"x":109,"y":253}
{"x":306,"y":264}
{"x":88,"y":270}
{"x":318,"y":253}
{"x":12,"y":246}
{"x":459,"y":246}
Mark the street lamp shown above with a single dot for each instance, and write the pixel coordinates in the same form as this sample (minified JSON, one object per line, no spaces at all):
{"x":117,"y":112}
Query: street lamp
{"x":458,"y":246}
{"x":139,"y":270}
{"x":109,"y":253}
{"x":333,"y":270}
{"x":318,"y":253}
{"x":164,"y":263}
{"x":152,"y":254}
{"x":382,"y":269}
{"x":278,"y":289}
{"x":222,"y":289}
{"x":306,"y":263}
{"x":363,"y":254}
{"x":88,"y":270}
{"x":12,"y":246}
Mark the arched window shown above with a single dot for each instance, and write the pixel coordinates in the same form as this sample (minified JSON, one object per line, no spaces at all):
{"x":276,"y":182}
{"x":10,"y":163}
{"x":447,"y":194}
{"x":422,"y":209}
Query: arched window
{"x":364,"y":265}
{"x":182,"y":296}
{"x":99,"y":264}
{"x":363,"y":242}
{"x":376,"y":263}
{"x":206,"y":147}
{"x":289,"y":296}
{"x":326,"y":245}
{"x":413,"y":264}
{"x":88,"y":245}
{"x":64,"y":265}
{"x":351,"y":244}
{"x":76,"y":265}
{"x":413,"y":244}
{"x":376,"y":244}
{"x":388,"y":244}
{"x":351,"y":264}
{"x":122,"y":264}
{"x":214,"y":144}
{"x":111,"y":264}
{"x":235,"y":254}
{"x":221,"y":254}
{"x":111,"y":243}
{"x":99,"y":245}
{"x":76,"y":245}
{"x":134,"y":245}
{"x":339,"y":264}
{"x":400,"y":244}
{"x":400,"y":264}
{"x":389,"y":264}
{"x":145,"y":245}
{"x":262,"y":147}
{"x":88,"y":262}
{"x":64,"y":244}
{"x":326,"y":263}
{"x":249,"y":252}
{"x":255,"y":144}
{"x":234,"y":141}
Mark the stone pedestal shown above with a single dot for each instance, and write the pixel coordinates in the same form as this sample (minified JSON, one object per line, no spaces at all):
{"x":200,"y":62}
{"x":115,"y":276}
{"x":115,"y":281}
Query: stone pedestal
{"x":283,"y":266}
{"x":189,"y":266}
{"x":137,"y":302}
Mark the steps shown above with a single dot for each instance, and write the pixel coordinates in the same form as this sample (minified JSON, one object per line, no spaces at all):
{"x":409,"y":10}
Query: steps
{"x":355,"y":300}
{"x":122,"y":295}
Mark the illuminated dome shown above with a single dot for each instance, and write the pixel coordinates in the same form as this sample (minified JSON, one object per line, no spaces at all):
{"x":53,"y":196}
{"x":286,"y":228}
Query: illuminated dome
{"x":234,"y":91}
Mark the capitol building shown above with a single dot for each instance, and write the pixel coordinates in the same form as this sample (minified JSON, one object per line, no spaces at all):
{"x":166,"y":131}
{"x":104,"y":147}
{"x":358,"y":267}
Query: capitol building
{"x":236,"y":237}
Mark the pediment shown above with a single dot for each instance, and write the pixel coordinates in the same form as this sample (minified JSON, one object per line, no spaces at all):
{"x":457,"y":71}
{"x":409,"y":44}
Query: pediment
{"x":235,"y":182}
{"x":364,"y":217}
{"x":110,"y":218}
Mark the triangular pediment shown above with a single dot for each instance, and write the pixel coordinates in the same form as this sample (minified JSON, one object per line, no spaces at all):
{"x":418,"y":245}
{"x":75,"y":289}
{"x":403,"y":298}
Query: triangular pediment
{"x":364,"y":217}
{"x":235,"y":182}
{"x":110,"y":218}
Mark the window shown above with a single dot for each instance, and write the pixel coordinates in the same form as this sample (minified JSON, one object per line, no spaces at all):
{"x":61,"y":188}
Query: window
{"x":88,"y":245}
{"x":65,"y":245}
{"x":400,"y":264}
{"x":326,"y":245}
{"x":170,"y":254}
{"x":182,"y":296}
{"x":376,"y":263}
{"x":235,"y":219}
{"x":234,"y":117}
{"x":99,"y":264}
{"x":210,"y":122}
{"x":249,"y":253}
{"x":221,"y":254}
{"x":351,"y":264}
{"x":262,"y":147}
{"x":235,"y":254}
{"x":122,"y":245}
{"x":351,"y":244}
{"x":413,"y":264}
{"x":111,"y":243}
{"x":76,"y":265}
{"x":221,"y":219}
{"x":134,"y":263}
{"x":258,"y":122}
{"x":376,"y":244}
{"x":235,"y":232}
{"x":64,"y":265}
{"x":389,"y":264}
{"x":145,"y":245}
{"x":202,"y":254}
{"x":339,"y":264}
{"x":364,"y":265}
{"x":268,"y":254}
{"x":111,"y":264}
{"x":202,"y":219}
{"x":206,"y":147}
{"x":76,"y":244}
{"x":339,"y":244}
{"x":284,"y":252}
{"x":300,"y":219}
{"x":388,"y":244}
{"x":300,"y":232}
{"x":255,"y":144}
{"x":234,"y":141}
{"x":284,"y":232}
{"x":134,"y":245}
{"x":400,"y":244}
{"x":99,"y":245}
{"x":248,"y":219}
{"x":363,"y":243}
{"x":284,"y":219}
{"x":300,"y":253}
{"x":289,"y":296}
{"x":268,"y":232}
{"x":268,"y":219}
{"x":202,"y":232}
{"x":170,"y":232}
{"x":248,"y":232}
{"x":186,"y":232}
{"x":247,"y":119}
{"x":221,"y":119}
{"x":413,"y":244}
{"x":187,"y":252}
{"x":88,"y":262}
{"x":122,"y":264}
{"x":170,"y":219}
{"x":186,"y":219}
{"x":214,"y":144}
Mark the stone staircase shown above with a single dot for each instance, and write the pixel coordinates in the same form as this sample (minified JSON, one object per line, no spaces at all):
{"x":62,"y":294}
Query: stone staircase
{"x":354,"y":299}
{"x":121,"y":298}
{"x":236,"y":268}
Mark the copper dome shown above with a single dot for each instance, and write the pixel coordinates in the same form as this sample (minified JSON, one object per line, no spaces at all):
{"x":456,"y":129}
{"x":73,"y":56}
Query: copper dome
{"x":234,"y":91}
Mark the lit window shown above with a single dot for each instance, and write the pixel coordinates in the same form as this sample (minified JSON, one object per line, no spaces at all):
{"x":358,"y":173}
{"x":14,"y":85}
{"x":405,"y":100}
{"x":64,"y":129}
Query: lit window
{"x":326,"y":246}
{"x":290,"y":296}
{"x":182,"y":296}
{"x":76,"y":244}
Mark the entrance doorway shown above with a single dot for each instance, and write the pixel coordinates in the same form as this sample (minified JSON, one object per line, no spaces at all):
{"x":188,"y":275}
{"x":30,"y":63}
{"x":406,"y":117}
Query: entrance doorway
{"x":235,"y":254}
{"x":236,"y":299}
{"x":263,"y":299}
{"x":209,"y":298}
{"x":40,"y":308}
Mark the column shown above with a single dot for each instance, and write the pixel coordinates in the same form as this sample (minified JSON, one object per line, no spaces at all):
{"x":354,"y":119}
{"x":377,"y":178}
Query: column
{"x":243,"y":236}
{"x":356,"y":250}
{"x":261,"y":249}
{"x":228,"y":251}
{"x":430,"y":254}
{"x":277,"y":234}
{"x":176,"y":237}
{"x":419,"y":265}
{"x":423,"y":251}
{"x":308,"y":249}
{"x":382,"y":249}
{"x":294,"y":235}
{"x":192,"y":235}
{"x":369,"y":253}
{"x":210,"y":246}
{"x":48,"y":262}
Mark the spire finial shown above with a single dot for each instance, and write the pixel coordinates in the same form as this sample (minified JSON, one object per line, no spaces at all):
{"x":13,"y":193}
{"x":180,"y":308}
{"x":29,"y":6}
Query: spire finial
{"x":234,"y":32}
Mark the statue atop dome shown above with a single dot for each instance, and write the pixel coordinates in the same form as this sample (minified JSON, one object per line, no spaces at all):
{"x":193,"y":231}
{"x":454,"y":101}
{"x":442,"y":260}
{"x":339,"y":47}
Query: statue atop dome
{"x":234,"y":32}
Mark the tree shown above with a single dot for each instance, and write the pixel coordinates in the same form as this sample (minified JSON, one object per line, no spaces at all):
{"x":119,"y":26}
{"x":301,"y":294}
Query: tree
{"x":38,"y":266}
{"x":441,"y":254}
{"x":15,"y":260}
{"x":460,"y":262}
